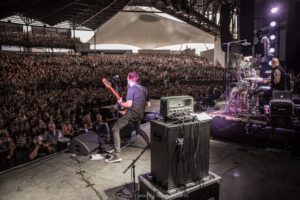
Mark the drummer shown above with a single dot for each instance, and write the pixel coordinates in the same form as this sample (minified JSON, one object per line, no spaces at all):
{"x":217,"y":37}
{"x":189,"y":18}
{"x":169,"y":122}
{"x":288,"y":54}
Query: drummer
{"x":277,"y":80}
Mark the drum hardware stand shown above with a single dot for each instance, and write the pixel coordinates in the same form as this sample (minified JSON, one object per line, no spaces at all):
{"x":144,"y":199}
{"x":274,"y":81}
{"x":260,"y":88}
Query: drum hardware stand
{"x":248,"y":124}
{"x":250,"y":106}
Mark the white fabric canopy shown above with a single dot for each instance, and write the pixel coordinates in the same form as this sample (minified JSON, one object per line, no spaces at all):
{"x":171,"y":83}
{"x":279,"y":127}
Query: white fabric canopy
{"x":148,"y":31}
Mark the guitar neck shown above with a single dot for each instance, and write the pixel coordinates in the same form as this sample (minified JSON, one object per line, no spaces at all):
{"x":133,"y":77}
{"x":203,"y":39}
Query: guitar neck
{"x":115,"y":93}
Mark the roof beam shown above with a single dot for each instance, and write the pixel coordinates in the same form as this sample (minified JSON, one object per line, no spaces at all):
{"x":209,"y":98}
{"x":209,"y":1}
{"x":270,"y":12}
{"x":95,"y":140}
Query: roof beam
{"x":58,"y":10}
{"x":95,"y":15}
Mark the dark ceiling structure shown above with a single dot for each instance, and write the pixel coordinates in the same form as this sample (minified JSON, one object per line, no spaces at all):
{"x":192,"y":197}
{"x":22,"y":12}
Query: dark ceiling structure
{"x":88,"y":13}
{"x":93,"y":13}
{"x":202,"y":14}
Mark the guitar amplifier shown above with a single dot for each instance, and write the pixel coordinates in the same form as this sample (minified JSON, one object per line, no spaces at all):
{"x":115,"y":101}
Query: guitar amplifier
{"x":282,"y":107}
{"x":179,"y":152}
{"x":176,"y":105}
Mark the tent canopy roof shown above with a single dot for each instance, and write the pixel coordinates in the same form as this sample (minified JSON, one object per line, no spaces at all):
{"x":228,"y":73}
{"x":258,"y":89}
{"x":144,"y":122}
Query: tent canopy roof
{"x":148,"y":31}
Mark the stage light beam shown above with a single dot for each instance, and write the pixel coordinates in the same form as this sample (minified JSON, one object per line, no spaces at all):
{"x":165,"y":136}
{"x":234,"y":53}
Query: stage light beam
{"x":273,"y":24}
{"x":274,"y":10}
{"x":272,"y":37}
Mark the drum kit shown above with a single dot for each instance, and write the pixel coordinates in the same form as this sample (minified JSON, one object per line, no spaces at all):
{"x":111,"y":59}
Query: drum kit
{"x":244,"y":96}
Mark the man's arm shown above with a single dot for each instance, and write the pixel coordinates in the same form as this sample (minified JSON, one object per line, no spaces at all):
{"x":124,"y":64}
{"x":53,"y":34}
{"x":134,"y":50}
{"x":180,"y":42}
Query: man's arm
{"x":126,"y":104}
{"x":277,"y":75}
{"x":129,"y":99}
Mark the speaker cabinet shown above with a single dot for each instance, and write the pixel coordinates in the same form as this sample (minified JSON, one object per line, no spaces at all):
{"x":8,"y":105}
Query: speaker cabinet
{"x":282,"y":107}
{"x":179,"y":152}
{"x":85,"y":143}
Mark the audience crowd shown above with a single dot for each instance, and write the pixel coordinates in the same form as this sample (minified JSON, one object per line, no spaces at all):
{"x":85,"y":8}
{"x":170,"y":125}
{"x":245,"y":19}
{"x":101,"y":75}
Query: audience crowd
{"x":37,"y":40}
{"x":46,"y":98}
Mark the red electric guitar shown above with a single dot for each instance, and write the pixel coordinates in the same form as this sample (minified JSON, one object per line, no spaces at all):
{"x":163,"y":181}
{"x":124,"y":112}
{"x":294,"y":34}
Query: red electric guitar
{"x":109,"y":86}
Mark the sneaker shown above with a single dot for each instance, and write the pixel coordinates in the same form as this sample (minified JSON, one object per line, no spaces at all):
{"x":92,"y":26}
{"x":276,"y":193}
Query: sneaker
{"x":114,"y":158}
{"x":110,"y":151}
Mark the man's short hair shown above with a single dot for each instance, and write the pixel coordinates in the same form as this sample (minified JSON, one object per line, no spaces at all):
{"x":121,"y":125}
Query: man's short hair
{"x":276,"y":61}
{"x":133,"y":76}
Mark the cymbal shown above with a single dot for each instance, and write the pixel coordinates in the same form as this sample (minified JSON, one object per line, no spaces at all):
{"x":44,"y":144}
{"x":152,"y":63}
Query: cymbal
{"x":256,"y":79}
{"x":264,"y":88}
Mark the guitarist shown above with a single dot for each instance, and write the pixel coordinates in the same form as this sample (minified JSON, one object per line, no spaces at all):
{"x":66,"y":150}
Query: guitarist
{"x":136,"y":100}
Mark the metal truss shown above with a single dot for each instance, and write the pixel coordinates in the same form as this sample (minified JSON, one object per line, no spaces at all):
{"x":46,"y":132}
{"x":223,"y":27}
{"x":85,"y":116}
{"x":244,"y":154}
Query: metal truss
{"x":203,"y":14}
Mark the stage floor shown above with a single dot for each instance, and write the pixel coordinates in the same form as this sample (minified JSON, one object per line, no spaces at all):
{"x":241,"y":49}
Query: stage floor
{"x":247,"y":173}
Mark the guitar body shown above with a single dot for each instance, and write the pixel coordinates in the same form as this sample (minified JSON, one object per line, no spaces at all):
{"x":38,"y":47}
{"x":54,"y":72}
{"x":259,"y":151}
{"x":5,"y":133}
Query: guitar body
{"x":115,"y":93}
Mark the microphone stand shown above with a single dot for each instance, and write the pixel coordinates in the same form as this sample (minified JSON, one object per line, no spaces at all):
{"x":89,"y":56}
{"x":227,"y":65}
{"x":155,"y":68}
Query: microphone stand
{"x":132,"y":166}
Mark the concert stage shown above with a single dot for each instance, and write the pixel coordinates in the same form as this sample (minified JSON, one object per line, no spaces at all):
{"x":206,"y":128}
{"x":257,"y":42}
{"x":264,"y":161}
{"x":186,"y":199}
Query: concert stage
{"x":260,"y":171}
{"x":247,"y":173}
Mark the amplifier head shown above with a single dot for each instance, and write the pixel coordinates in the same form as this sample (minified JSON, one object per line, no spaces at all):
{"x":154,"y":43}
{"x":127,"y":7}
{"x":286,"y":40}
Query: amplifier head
{"x":176,"y":105}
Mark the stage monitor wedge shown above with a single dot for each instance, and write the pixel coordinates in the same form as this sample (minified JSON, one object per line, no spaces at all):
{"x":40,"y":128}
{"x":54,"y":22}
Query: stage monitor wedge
{"x":85,"y":143}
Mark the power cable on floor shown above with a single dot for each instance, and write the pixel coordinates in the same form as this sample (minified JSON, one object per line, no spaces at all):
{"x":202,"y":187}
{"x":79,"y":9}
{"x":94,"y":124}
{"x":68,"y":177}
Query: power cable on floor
{"x":89,"y":184}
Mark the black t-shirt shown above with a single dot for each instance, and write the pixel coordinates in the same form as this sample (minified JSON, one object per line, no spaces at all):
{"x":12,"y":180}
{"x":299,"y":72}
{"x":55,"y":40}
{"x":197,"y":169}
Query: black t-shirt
{"x":139,"y":96}
{"x":101,"y":128}
{"x":21,"y":139}
{"x":281,"y":84}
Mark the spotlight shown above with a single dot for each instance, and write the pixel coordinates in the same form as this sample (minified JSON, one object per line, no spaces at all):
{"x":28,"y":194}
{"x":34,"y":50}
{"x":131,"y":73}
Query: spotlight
{"x":273,"y":23}
{"x":270,"y":63}
{"x":272,"y":50}
{"x":272,"y":37}
{"x":274,"y":10}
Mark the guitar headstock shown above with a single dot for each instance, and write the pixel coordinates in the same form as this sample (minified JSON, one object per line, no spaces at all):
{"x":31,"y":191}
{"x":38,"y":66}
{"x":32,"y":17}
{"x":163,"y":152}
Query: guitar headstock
{"x":106,"y":82}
